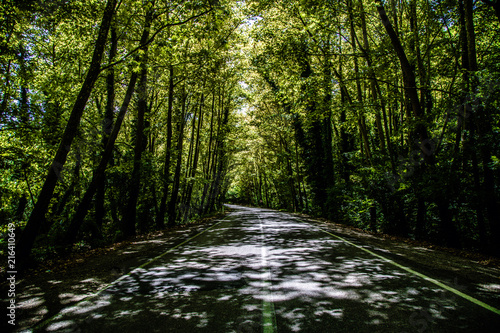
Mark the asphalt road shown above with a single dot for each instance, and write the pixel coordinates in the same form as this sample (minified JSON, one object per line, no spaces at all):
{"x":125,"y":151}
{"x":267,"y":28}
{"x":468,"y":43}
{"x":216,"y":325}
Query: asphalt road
{"x":266,"y":271}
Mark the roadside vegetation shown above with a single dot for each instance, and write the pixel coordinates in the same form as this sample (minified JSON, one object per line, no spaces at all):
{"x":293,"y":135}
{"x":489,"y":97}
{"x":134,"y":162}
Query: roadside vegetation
{"x":383,"y":115}
{"x":119,"y":118}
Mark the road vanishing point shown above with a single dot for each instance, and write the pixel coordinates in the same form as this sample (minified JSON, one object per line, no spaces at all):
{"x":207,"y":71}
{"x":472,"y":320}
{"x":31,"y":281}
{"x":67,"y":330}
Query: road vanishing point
{"x":260,"y":270}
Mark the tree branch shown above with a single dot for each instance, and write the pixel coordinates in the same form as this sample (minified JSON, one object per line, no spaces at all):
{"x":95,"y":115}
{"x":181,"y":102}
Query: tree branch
{"x":150,"y":40}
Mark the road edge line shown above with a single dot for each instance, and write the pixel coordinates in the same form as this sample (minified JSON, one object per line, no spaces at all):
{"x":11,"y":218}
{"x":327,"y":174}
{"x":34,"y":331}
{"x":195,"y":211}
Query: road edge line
{"x":89,"y":297}
{"x":421,"y":275}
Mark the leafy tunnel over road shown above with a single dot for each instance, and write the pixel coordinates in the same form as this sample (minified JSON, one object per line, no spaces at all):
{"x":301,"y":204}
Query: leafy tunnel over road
{"x":264,"y":270}
{"x":122,"y":117}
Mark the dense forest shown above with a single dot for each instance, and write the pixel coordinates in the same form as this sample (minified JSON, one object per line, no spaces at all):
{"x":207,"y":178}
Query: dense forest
{"x":121,"y":117}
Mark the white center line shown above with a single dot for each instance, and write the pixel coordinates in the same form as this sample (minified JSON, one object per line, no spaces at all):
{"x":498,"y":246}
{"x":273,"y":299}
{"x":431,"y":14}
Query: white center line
{"x":268,"y":311}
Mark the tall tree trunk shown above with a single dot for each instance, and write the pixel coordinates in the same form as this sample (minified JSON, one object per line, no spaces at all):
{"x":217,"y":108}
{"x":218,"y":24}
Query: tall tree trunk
{"x":172,"y":204}
{"x":462,"y":124}
{"x":37,"y":216}
{"x":409,"y":84}
{"x":24,"y":107}
{"x":326,"y":134}
{"x":196,"y":154}
{"x":290,"y":176}
{"x":471,"y":35}
{"x":5,"y":88}
{"x":346,"y":139}
{"x":160,"y":220}
{"x":189,"y":159}
{"x":298,"y":179}
{"x":384,"y":134}
{"x":360,"y":113}
{"x":107,"y":125}
{"x":448,"y":229}
{"x":482,"y":122}
{"x":99,"y":173}
{"x":316,"y":140}
{"x":221,"y":162}
{"x":219,"y":154}
{"x":210,"y":158}
{"x":415,"y":55}
{"x":129,"y":220}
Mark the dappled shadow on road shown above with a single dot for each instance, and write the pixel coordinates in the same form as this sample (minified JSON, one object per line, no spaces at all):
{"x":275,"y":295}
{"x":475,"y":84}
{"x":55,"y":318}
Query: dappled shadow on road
{"x":472,"y":272}
{"x":259,"y":264}
{"x":43,"y":295}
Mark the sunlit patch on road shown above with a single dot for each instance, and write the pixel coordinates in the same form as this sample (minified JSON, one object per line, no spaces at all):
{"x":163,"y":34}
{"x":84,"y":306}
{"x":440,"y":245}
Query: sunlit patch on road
{"x":265,"y":271}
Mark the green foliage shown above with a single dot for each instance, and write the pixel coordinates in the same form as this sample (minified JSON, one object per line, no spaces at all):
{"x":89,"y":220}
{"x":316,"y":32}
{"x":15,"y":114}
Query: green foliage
{"x":46,"y":58}
{"x":331,"y":70}
{"x":296,"y":105}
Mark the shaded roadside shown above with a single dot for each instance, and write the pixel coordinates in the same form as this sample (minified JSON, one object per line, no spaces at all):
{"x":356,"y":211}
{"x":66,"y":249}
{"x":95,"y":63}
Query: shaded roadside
{"x":473,"y":273}
{"x":266,"y":269}
{"x":46,"y":289}
{"x":42,"y":295}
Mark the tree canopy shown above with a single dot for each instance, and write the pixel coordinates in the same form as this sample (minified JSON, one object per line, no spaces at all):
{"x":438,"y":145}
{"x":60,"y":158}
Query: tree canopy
{"x":123,"y":117}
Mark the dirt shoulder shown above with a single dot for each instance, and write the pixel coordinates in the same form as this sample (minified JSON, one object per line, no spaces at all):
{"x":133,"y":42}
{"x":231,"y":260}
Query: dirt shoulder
{"x":474,"y":274}
{"x":44,"y":291}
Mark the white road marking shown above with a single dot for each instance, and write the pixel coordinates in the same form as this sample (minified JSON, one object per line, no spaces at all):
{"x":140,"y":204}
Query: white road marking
{"x":423,"y":276}
{"x":268,"y":311}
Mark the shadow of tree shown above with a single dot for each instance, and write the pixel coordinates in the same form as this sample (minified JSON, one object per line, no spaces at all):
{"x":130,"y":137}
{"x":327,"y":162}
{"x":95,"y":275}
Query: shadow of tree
{"x":222,"y":281}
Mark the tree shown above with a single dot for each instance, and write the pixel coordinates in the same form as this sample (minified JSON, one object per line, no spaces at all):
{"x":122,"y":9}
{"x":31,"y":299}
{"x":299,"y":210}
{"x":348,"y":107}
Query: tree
{"x":37,"y":216}
{"x":129,"y":219}
{"x":384,"y":117}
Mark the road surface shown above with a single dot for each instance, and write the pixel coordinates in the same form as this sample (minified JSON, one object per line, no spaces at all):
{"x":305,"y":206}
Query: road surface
{"x":261,"y":270}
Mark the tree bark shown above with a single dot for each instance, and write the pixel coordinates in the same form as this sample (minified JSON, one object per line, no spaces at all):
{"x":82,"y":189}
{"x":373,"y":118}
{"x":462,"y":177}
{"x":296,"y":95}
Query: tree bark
{"x":99,"y":173}
{"x":129,"y":220}
{"x":208,"y":165}
{"x":37,"y":216}
{"x":6,"y":95}
{"x":196,"y":153}
{"x":482,"y":122}
{"x":360,"y":113}
{"x":409,"y":84}
{"x":218,"y":160}
{"x":172,"y":204}
{"x":107,"y":126}
{"x":221,"y":163}
{"x":471,"y":36}
{"x":160,"y":220}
